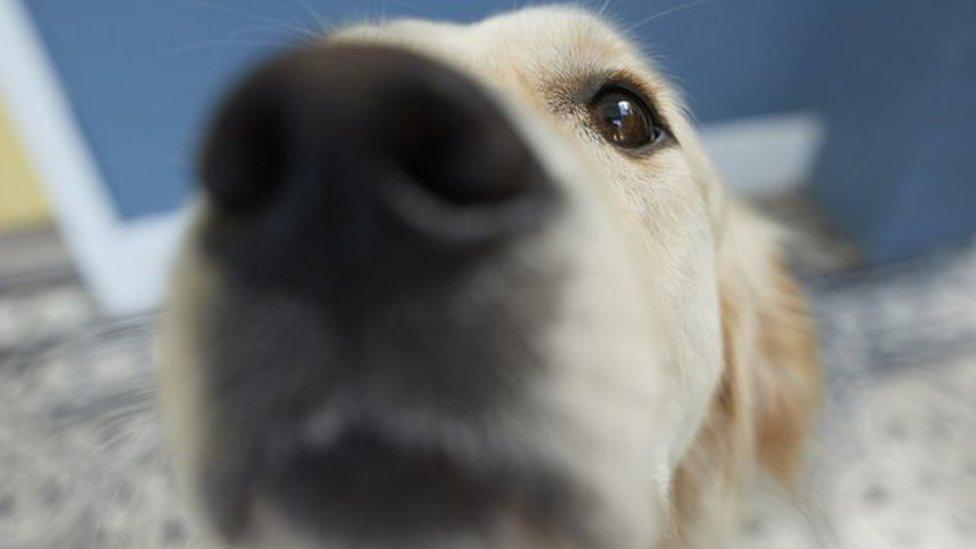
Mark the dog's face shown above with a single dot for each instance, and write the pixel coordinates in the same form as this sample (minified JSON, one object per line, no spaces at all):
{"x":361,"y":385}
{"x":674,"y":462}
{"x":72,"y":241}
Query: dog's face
{"x":461,"y":286}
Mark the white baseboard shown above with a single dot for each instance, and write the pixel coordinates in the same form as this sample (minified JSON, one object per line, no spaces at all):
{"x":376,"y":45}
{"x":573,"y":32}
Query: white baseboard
{"x":125,"y":262}
{"x":767,"y":155}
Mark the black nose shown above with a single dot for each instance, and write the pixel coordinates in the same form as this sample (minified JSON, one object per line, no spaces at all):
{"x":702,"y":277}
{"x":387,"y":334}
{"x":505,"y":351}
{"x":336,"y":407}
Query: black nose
{"x":372,"y":222}
{"x":349,"y":134}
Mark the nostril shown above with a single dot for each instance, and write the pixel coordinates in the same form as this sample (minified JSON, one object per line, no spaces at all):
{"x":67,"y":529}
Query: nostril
{"x":459,"y":169}
{"x":246,"y":157}
{"x":464,"y":157}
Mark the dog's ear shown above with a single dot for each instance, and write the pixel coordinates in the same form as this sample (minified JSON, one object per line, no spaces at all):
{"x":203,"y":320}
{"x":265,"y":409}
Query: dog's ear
{"x":772,"y":382}
{"x":770,"y":385}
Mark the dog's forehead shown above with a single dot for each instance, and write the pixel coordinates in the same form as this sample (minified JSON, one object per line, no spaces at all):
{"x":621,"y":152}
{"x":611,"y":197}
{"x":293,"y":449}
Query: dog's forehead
{"x":549,"y":48}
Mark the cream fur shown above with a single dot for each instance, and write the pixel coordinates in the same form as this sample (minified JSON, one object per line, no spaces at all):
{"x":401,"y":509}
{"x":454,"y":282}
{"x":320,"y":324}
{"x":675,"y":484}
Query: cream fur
{"x":683,"y":353}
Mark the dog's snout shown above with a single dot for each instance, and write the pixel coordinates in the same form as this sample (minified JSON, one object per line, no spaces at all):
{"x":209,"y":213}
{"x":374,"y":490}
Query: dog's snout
{"x":371,"y":228}
{"x":349,"y":134}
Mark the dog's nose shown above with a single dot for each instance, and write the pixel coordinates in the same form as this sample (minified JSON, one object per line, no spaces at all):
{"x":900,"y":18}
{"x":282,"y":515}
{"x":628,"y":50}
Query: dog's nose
{"x":362,"y":137}
{"x":370,"y":228}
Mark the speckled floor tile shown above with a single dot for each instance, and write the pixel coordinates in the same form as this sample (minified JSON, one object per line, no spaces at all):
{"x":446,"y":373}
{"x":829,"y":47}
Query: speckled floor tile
{"x":82,"y":463}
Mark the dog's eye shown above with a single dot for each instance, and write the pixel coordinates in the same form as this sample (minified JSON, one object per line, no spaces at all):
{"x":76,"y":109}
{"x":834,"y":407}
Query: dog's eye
{"x":624,"y":119}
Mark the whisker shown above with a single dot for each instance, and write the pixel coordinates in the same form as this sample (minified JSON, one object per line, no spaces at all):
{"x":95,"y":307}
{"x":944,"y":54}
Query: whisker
{"x":321,"y":23}
{"x":258,"y":33}
{"x":291,"y":14}
{"x":275,"y":23}
{"x":665,"y":13}
{"x":193,"y":46}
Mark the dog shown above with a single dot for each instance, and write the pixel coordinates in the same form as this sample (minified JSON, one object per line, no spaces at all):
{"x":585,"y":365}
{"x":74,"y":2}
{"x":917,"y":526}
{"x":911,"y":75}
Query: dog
{"x":476,"y":286}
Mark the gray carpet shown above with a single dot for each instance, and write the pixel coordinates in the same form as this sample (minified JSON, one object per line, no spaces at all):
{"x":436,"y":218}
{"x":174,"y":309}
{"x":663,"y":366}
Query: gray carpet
{"x":895,"y":465}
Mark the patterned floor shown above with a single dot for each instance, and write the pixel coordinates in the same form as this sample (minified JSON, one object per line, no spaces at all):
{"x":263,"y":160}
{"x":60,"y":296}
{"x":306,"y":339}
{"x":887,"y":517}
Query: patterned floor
{"x":895,"y":465}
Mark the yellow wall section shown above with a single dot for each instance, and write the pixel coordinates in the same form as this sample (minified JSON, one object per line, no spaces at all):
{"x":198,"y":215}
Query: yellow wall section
{"x":21,"y":201}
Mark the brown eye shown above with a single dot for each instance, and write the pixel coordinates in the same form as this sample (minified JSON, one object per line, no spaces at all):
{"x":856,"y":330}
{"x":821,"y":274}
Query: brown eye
{"x":624,"y":119}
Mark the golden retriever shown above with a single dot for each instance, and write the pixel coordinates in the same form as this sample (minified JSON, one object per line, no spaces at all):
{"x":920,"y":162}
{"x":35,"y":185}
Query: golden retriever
{"x":476,"y":286}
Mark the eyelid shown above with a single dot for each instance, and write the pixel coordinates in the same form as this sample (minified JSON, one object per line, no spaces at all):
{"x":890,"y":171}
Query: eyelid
{"x":631,"y":83}
{"x":622,"y":79}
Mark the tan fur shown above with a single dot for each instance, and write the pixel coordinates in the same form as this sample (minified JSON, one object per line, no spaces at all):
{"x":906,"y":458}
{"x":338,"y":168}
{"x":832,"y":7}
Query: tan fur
{"x":688,"y":355}
{"x":770,"y":388}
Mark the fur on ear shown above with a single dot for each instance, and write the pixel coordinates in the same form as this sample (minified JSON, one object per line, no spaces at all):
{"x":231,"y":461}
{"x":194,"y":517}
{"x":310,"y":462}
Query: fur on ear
{"x":772,"y":365}
{"x":771,"y":384}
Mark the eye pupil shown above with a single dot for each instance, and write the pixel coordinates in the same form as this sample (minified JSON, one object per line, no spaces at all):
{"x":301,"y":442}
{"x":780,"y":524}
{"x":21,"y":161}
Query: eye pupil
{"x":624,"y":120}
{"x":627,"y":125}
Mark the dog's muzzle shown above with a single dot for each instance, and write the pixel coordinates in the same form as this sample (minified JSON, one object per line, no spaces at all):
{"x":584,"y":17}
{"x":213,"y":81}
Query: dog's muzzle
{"x":366,"y":209}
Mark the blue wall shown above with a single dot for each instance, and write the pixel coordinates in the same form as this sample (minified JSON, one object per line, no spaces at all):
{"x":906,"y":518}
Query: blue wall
{"x":142,"y":74}
{"x":894,"y":80}
{"x":897,"y":88}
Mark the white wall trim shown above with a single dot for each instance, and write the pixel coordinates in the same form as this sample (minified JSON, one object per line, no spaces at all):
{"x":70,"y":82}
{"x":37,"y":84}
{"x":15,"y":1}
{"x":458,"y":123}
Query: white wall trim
{"x":766,"y":155}
{"x":126,"y":263}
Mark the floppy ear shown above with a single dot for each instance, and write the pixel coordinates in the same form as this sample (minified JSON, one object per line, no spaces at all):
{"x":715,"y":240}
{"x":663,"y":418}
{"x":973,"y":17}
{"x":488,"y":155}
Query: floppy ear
{"x":771,"y":381}
{"x":772,"y":372}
